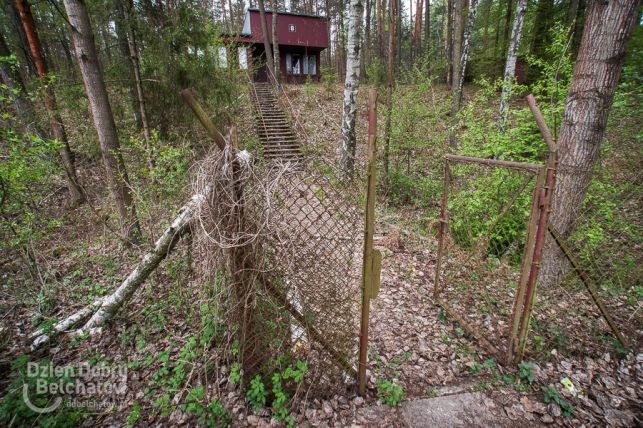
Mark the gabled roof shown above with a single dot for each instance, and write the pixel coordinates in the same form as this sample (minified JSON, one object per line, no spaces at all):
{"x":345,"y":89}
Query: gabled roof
{"x":254,"y":9}
{"x":293,"y":29}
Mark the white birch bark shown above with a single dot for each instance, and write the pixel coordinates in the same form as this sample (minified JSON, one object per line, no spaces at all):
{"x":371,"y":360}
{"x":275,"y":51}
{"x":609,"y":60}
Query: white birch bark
{"x":464,"y":57}
{"x":351,"y":87}
{"x":103,"y":309}
{"x":510,"y":66}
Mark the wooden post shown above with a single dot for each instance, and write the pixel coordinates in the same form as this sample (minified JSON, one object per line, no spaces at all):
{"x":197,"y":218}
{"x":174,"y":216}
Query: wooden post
{"x":252,"y":352}
{"x":369,"y":277}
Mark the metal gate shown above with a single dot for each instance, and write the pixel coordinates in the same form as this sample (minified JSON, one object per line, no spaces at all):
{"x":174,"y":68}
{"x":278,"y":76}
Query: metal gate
{"x":488,"y":230}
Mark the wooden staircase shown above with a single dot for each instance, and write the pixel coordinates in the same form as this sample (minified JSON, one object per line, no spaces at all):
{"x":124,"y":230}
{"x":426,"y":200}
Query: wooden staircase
{"x":273,"y":128}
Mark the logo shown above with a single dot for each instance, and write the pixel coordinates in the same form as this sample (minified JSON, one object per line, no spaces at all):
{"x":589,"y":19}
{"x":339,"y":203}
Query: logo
{"x":75,"y":386}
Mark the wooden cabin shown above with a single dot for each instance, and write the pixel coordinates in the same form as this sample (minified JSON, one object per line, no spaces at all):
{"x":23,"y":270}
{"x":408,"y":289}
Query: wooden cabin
{"x":301,"y":39}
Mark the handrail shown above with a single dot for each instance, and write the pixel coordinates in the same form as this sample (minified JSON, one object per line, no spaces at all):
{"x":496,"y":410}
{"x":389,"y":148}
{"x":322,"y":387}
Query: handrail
{"x":256,"y":97}
{"x":289,"y":106}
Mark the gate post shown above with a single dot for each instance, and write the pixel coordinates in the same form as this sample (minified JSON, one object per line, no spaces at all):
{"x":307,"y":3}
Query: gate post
{"x":372,"y":258}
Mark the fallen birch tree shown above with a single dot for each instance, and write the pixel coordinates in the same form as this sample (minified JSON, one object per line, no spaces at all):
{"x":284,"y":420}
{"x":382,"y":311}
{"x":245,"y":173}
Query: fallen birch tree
{"x":104,"y":309}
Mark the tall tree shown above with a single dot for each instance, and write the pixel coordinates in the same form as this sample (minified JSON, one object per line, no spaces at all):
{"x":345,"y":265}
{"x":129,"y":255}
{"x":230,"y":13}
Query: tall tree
{"x":417,"y":36}
{"x":266,"y":40}
{"x":90,"y":69}
{"x":132,"y":48}
{"x":542,"y":23}
{"x":57,"y":128}
{"x":510,"y":64}
{"x":461,"y":67}
{"x":351,"y":88}
{"x":275,"y":42}
{"x":449,"y":42}
{"x":608,"y":27}
{"x":427,"y":35}
{"x":11,"y":78}
{"x":390,"y":81}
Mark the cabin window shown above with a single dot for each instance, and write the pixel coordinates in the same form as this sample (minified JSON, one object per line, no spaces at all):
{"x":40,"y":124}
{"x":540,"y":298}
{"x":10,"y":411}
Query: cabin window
{"x":312,"y":64}
{"x":243,"y":58}
{"x":222,"y":57}
{"x":293,"y":64}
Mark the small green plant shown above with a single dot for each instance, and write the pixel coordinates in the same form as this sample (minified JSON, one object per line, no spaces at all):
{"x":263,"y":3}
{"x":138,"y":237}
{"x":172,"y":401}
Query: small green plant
{"x":389,"y":393}
{"x":235,"y":373}
{"x":212,"y":415}
{"x":551,"y":395}
{"x":135,"y":414}
{"x":526,"y":371}
{"x":257,"y":393}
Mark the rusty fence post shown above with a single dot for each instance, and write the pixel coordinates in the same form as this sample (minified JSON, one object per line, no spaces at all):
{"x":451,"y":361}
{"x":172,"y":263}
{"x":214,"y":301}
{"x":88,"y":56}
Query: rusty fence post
{"x":372,"y":258}
{"x":544,"y":201}
{"x":442,"y":229}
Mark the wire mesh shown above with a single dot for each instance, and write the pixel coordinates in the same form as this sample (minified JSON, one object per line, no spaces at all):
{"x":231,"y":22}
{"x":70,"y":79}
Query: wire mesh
{"x":605,"y":239}
{"x":289,"y":250}
{"x":486,"y":211}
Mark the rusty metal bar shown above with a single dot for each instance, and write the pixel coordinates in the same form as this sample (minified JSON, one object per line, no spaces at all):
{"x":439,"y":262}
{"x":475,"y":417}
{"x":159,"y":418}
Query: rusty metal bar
{"x":542,"y":125}
{"x":195,"y":106}
{"x":528,"y":254}
{"x":317,"y":336}
{"x":545,"y":206}
{"x":534,"y":168}
{"x":587,"y":282}
{"x":442,"y":230}
{"x":369,"y":230}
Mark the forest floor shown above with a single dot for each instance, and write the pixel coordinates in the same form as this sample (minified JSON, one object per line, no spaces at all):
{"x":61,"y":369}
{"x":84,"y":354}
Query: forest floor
{"x":412,"y":343}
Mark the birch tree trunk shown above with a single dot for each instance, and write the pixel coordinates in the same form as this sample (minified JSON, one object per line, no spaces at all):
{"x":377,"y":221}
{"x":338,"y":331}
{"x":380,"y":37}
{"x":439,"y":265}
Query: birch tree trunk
{"x":104,"y":308}
{"x":351,"y":88}
{"x":458,"y":79}
{"x":449,"y":43}
{"x":57,"y":128}
{"x":510,"y":64}
{"x":275,"y":42}
{"x":600,"y":60}
{"x":266,"y":41}
{"x":85,"y":49}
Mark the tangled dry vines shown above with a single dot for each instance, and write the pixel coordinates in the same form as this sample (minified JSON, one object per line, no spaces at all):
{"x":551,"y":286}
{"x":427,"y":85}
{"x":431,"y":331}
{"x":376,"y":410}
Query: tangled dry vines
{"x":282,"y":239}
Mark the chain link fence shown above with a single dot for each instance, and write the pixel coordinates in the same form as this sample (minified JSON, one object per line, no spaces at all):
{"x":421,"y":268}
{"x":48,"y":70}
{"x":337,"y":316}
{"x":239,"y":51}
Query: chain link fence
{"x":283,"y":241}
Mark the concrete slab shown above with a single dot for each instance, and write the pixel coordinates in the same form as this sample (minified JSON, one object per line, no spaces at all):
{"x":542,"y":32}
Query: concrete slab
{"x":458,"y":410}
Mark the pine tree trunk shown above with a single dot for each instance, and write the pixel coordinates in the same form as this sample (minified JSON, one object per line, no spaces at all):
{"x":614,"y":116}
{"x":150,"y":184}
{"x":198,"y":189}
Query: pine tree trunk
{"x":598,"y":68}
{"x":101,"y":110}
{"x":266,"y":41}
{"x":329,"y":62}
{"x":427,"y":36}
{"x":57,"y":128}
{"x":417,"y":40}
{"x":351,"y":87}
{"x":12,"y":14}
{"x":510,"y":64}
{"x":11,"y":78}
